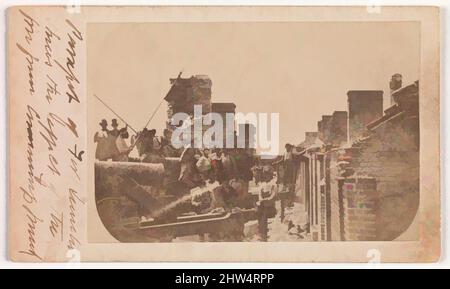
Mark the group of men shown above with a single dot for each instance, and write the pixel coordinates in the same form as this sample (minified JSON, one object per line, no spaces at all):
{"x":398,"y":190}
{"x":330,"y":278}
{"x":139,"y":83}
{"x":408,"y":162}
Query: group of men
{"x":211,"y":165}
{"x":154,"y":149}
{"x":111,"y":144}
{"x":197,"y":166}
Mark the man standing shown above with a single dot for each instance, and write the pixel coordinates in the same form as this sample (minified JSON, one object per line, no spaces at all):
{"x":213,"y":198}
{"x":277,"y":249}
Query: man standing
{"x":101,"y":138}
{"x":289,"y":165}
{"x":189,"y":174}
{"x":167,"y":149}
{"x":122,"y":147}
{"x":286,"y":165}
{"x":115,"y":131}
{"x":151,"y":148}
{"x":155,"y":143}
{"x":204,"y":165}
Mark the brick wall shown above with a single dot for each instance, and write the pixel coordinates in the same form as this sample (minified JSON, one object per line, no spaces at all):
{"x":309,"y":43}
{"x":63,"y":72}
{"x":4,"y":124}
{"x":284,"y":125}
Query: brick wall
{"x":336,"y":198}
{"x":361,"y":213}
{"x":370,"y":189}
{"x":391,"y":155}
{"x":301,"y":186}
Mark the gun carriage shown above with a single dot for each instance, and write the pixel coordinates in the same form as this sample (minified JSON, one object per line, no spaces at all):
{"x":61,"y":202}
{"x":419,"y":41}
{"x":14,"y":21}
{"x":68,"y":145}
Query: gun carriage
{"x":145,"y":202}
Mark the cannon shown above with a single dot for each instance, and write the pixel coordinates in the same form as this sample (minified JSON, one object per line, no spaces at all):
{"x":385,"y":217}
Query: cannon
{"x":145,"y":202}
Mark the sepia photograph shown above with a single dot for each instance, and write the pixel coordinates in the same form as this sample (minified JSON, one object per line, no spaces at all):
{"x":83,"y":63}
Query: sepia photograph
{"x":256,"y":132}
{"x":200,"y":135}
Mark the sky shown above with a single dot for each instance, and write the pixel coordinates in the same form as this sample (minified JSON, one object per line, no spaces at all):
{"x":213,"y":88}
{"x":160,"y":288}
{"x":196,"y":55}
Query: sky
{"x":301,"y":70}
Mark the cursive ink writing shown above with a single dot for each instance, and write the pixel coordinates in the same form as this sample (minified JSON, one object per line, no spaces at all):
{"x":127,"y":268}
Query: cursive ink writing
{"x":29,"y":27}
{"x":28,"y":194}
{"x":48,"y":197}
{"x":69,"y":67}
{"x":30,"y":59}
{"x":74,"y":200}
{"x":49,"y":35}
{"x":33,"y":220}
{"x":56,"y":225}
{"x":52,"y":89}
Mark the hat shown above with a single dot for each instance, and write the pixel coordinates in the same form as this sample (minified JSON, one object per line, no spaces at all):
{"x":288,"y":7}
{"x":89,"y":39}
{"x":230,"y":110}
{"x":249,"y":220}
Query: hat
{"x":152,"y":131}
{"x":114,"y":123}
{"x":288,"y":145}
{"x":103,"y":122}
{"x":123,"y":132}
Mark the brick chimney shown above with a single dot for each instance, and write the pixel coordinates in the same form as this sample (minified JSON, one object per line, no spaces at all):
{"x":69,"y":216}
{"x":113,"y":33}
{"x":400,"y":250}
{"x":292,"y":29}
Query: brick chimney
{"x":319,"y":130}
{"x":248,"y":130}
{"x":223,"y":109}
{"x":338,"y":130}
{"x":326,"y":128}
{"x":395,"y":84}
{"x":310,"y":137}
{"x":364,"y":106}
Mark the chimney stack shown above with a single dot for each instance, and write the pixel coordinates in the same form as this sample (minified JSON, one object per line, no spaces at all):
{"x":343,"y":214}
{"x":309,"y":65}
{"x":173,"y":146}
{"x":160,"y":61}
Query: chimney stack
{"x":338,"y":130}
{"x":310,"y":137}
{"x":319,"y":130}
{"x":364,"y":106}
{"x":395,"y":84}
{"x":223,"y":109}
{"x":326,"y":128}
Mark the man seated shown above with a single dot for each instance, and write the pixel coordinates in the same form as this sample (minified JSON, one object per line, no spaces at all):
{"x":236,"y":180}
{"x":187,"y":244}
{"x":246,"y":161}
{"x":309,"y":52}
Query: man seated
{"x":123,"y":149}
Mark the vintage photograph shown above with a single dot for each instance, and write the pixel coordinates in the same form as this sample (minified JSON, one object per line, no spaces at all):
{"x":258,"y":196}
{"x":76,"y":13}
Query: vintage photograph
{"x":235,"y":134}
{"x":255,"y":131}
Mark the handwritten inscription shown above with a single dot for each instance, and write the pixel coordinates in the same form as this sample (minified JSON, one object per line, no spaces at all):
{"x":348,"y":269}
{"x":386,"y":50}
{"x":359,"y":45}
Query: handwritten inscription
{"x":69,"y":66}
{"x":56,"y":225}
{"x":33,"y":221}
{"x":49,"y":38}
{"x":74,"y":202}
{"x":51,"y":184}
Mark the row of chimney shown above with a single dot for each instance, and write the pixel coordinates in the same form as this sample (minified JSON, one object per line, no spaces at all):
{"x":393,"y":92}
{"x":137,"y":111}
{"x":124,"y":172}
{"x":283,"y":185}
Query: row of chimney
{"x":364,"y":106}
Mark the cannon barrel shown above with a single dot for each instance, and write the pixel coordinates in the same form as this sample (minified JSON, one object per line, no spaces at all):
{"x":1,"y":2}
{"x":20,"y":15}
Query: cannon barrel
{"x":113,"y":179}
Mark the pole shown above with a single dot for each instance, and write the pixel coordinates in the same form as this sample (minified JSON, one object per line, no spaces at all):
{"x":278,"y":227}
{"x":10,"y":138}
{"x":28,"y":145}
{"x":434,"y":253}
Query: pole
{"x":116,"y":114}
{"x":152,"y":116}
{"x":148,"y":122}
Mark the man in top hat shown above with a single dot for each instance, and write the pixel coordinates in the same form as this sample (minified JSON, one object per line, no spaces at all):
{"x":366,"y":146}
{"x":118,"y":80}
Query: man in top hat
{"x":101,"y":138}
{"x":115,"y":131}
